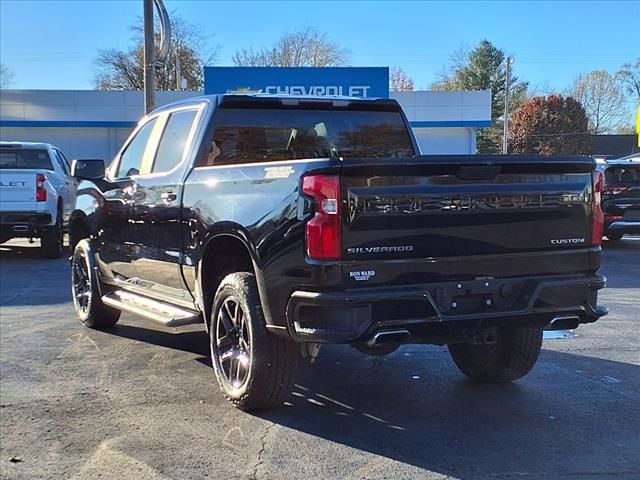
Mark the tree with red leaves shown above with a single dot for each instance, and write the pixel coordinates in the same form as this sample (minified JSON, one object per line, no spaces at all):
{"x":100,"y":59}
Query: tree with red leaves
{"x":553,"y":125}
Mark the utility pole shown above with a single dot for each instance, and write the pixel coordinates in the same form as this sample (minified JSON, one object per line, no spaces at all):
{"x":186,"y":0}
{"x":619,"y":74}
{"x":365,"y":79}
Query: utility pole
{"x":178,"y":72}
{"x":505,"y":133}
{"x":149,"y":59}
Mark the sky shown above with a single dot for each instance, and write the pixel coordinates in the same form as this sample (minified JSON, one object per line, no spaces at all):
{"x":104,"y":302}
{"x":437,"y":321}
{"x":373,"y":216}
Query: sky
{"x":50,"y":44}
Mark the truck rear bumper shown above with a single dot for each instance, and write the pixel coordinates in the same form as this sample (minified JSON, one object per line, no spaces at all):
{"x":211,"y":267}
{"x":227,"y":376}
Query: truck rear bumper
{"x":428,"y":311}
{"x":23,"y":224}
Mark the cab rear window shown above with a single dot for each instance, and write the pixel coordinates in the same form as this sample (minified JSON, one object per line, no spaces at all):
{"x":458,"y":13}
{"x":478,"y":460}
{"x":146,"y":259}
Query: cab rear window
{"x":29,"y":159}
{"x":245,"y":135}
{"x":622,"y":175}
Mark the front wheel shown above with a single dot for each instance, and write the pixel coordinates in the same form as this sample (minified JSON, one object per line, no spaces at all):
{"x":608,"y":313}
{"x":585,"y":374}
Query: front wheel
{"x":512,"y":356}
{"x":255,"y":370}
{"x":86,"y":292}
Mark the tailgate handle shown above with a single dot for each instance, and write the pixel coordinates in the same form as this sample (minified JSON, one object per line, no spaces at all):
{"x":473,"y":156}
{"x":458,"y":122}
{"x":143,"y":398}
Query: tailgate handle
{"x":482,"y":172}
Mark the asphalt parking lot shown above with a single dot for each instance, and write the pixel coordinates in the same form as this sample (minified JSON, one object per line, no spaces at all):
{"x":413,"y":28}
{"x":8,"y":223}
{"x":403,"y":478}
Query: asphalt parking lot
{"x":141,"y":401}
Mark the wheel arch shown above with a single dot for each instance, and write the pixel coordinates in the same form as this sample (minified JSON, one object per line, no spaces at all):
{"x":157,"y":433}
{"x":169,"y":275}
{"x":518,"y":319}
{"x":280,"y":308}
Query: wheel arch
{"x":224,"y":253}
{"x":78,"y":228}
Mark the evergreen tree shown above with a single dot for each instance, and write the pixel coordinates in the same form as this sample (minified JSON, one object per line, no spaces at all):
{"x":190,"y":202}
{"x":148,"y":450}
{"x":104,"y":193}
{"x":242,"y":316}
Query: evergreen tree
{"x":484,"y":68}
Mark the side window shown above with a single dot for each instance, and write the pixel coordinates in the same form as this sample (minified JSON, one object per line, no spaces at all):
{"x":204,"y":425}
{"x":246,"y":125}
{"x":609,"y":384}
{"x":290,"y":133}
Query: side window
{"x":65,"y":162}
{"x":131,"y":158}
{"x":174,"y":140}
{"x":59,"y":159}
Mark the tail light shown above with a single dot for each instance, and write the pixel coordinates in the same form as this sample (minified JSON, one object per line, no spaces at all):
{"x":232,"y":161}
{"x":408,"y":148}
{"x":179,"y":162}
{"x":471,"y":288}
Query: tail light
{"x":596,"y":210}
{"x":41,"y":192}
{"x":323,"y":230}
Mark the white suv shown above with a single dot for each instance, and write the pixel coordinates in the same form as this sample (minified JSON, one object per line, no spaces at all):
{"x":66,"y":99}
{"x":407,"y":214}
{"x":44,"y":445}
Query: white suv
{"x":37,"y":194}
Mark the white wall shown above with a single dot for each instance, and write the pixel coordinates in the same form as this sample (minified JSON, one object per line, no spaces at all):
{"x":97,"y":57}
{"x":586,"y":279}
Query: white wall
{"x":446,"y":141}
{"x":79,"y":105}
{"x":74,"y":142}
{"x":455,"y":107}
{"x":444,"y":122}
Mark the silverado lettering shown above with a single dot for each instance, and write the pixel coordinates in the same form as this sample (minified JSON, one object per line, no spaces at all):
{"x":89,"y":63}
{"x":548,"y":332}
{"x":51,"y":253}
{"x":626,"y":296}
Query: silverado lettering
{"x":399,"y":248}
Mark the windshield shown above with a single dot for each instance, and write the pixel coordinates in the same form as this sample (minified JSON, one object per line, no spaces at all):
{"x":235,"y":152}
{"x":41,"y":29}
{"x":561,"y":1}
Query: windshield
{"x":20,"y":158}
{"x":254,"y":135}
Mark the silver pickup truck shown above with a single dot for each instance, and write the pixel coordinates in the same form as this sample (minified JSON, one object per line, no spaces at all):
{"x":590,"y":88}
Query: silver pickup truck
{"x":37,"y":194}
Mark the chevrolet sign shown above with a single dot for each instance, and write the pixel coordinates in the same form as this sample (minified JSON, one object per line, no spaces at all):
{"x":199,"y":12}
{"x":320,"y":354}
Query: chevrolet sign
{"x":334,"y":81}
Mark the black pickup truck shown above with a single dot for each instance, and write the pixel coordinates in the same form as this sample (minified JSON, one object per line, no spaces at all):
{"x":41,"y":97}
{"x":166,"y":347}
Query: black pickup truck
{"x":286,"y":222}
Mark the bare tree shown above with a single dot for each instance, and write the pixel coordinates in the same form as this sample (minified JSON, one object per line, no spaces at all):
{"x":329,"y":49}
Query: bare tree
{"x":6,"y":76}
{"x":124,"y":69}
{"x":626,"y":130}
{"x":448,"y":75}
{"x":602,"y":97}
{"x":629,"y":75}
{"x":302,"y":48}
{"x":399,"y":81}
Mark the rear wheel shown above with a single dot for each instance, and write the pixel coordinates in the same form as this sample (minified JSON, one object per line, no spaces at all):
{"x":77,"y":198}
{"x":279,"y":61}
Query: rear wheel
{"x":51,"y":239}
{"x":255,"y":370}
{"x":512,"y":356}
{"x":86,"y":292}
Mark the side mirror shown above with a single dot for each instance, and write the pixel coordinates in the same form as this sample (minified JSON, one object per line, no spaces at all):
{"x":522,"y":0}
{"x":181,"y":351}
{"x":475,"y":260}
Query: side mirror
{"x":91,"y":169}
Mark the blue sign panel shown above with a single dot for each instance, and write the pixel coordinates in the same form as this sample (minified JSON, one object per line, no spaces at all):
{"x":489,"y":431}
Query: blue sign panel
{"x":346,"y":81}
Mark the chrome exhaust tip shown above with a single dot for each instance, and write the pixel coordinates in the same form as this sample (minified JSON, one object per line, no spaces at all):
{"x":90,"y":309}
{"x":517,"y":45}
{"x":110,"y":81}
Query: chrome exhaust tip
{"x":389,"y":336}
{"x":568,"y":322}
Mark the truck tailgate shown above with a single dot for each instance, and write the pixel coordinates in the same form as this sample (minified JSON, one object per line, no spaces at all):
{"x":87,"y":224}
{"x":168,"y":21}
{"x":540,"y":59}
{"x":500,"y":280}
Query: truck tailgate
{"x":17,"y":190}
{"x":444,"y":218}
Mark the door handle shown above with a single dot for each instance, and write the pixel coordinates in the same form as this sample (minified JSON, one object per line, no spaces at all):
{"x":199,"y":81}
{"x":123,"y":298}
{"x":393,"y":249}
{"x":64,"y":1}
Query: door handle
{"x":168,"y":197}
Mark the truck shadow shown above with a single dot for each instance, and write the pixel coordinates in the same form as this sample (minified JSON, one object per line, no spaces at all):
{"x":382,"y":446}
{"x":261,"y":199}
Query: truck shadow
{"x":22,"y":252}
{"x":418,"y":410}
{"x":196,"y":341}
{"x":574,"y":415}
{"x":26,"y":278}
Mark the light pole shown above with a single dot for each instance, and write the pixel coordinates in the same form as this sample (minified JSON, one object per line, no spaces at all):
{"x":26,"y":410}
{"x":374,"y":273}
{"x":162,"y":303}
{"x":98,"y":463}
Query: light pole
{"x":149,"y":59}
{"x":505,"y":133}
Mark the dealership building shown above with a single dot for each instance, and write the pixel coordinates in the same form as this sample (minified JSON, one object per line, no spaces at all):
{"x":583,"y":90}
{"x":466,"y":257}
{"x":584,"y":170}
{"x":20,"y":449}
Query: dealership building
{"x":94,"y":124}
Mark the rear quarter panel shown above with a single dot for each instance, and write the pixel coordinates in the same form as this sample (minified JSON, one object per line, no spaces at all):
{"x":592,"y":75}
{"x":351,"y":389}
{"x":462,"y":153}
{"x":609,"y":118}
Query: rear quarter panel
{"x":258,"y":204}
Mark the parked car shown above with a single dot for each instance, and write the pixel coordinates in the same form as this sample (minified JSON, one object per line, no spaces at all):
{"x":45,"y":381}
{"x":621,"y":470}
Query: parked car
{"x":37,"y":194}
{"x":284,"y":223}
{"x":621,"y":197}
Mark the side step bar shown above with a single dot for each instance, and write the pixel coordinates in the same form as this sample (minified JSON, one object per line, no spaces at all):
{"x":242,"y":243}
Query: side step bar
{"x":159,"y":312}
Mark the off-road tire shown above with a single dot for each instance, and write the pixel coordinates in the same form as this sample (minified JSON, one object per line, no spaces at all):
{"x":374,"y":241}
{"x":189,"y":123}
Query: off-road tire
{"x":95,"y":314}
{"x":273,"y":361}
{"x":512,"y":356}
{"x":51,"y":239}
